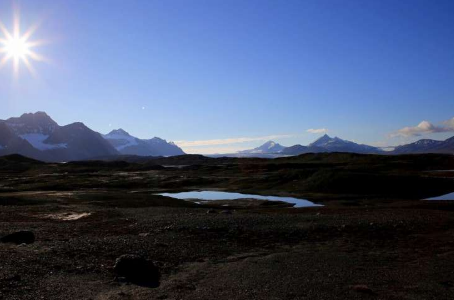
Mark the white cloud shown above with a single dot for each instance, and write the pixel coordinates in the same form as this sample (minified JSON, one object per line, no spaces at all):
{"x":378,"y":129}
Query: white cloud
{"x":449,"y":124}
{"x":229,"y":141}
{"x":317,"y":131}
{"x":425,"y":127}
{"x":214,"y":150}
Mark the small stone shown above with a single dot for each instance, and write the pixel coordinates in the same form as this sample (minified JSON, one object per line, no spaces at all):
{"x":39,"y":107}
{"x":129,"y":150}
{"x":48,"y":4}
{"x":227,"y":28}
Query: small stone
{"x":211,"y":211}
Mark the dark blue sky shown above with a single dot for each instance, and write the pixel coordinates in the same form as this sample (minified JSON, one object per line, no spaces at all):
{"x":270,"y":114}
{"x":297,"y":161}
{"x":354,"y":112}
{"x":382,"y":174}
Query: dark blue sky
{"x":214,"y":71}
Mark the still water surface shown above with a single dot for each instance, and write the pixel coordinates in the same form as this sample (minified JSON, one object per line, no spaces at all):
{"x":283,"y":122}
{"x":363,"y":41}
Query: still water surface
{"x":214,"y":195}
{"x":449,"y":196}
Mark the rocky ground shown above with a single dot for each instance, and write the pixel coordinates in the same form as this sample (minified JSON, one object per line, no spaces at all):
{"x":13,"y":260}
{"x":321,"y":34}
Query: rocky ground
{"x":355,"y":247}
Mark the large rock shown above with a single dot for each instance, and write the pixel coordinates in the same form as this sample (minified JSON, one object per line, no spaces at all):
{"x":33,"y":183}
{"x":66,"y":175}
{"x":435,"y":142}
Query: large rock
{"x":138,"y":270}
{"x":20,"y":237}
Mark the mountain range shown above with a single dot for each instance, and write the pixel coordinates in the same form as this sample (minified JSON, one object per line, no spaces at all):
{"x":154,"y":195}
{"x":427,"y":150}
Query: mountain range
{"x":129,"y":145}
{"x":329,"y":144}
{"x":427,"y":146}
{"x":37,"y":136}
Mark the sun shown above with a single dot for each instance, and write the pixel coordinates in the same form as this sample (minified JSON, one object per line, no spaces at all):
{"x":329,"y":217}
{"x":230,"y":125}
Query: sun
{"x":17,"y":47}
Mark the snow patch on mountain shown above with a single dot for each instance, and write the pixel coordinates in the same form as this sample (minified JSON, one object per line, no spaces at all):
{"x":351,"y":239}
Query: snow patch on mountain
{"x":127,"y":144}
{"x":427,"y":142}
{"x":268,"y":147}
{"x":37,"y":140}
{"x":122,"y":139}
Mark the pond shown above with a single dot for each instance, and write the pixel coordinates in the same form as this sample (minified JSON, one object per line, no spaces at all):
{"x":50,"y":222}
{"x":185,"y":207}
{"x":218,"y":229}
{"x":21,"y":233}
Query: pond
{"x":449,"y":196}
{"x":215,"y":195}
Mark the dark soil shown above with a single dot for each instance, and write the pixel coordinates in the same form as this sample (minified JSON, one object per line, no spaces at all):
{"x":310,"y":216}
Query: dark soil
{"x":358,"y":246}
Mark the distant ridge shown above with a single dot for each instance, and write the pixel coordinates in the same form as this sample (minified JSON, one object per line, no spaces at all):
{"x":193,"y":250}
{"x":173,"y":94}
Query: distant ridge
{"x":322,"y":144}
{"x":127,"y":144}
{"x":268,"y":147}
{"x":427,"y":146}
{"x":37,"y":136}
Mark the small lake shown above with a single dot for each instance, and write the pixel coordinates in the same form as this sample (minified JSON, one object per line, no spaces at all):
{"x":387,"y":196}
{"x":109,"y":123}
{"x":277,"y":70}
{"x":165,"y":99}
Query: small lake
{"x":214,"y":195}
{"x":449,"y":196}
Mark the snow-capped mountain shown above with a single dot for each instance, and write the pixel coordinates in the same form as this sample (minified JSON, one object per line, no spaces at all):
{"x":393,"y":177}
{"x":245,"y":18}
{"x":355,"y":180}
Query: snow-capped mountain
{"x":323,"y":144}
{"x":120,"y":139}
{"x":268,"y":147}
{"x":35,"y":128}
{"x":32,"y":123}
{"x":329,"y":144}
{"x":10,"y":143}
{"x":336,"y":144}
{"x":129,"y":145}
{"x":427,"y":146}
{"x":37,"y":136}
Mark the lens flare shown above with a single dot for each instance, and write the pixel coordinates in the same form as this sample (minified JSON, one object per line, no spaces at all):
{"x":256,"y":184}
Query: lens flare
{"x":17,"y":47}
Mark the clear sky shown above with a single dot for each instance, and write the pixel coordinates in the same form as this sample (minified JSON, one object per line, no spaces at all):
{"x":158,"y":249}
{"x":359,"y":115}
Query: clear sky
{"x":224,"y":75}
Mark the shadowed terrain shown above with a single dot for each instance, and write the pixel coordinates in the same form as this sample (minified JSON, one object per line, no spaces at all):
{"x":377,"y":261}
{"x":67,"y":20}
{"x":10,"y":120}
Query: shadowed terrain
{"x":373,"y":238}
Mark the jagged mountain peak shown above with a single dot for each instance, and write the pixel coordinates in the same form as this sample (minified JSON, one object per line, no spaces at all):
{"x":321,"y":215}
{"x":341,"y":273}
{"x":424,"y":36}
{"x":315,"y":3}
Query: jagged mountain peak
{"x":269,"y":144}
{"x":157,"y":139}
{"x":328,"y":144}
{"x":119,"y":132}
{"x":32,"y":123}
{"x":37,"y":117}
{"x":37,"y":114}
{"x":130,"y":145}
{"x":268,"y":147}
{"x":323,"y":140}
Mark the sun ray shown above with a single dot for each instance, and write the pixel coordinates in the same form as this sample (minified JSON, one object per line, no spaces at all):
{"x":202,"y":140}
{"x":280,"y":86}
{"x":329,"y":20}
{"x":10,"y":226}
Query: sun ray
{"x":3,"y":61}
{"x":30,"y":31}
{"x":16,"y":26}
{"x":29,"y":66}
{"x":16,"y":66}
{"x":36,"y":43}
{"x":36,"y":56}
{"x":5,"y":32}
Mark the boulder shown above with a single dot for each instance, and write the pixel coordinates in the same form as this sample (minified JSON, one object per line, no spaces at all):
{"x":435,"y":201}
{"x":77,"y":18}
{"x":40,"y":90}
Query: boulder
{"x":138,"y":270}
{"x":20,"y":237}
{"x":362,"y":288}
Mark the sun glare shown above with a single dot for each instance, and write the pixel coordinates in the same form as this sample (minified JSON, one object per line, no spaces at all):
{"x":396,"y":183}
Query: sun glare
{"x":17,"y":47}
